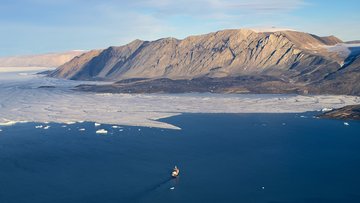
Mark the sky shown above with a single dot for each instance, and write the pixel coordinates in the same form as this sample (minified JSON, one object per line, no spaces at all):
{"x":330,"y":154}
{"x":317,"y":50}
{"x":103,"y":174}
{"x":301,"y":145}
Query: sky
{"x":44,"y":26}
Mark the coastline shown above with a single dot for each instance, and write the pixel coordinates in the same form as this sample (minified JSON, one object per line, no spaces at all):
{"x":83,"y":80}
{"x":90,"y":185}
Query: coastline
{"x":21,"y":99}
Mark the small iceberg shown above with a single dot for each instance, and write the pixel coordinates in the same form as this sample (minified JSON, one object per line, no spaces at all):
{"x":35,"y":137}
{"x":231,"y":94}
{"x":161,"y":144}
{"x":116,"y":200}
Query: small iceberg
{"x":97,"y":124}
{"x":0,"y":130}
{"x":346,"y":123}
{"x":326,"y":109}
{"x":82,"y":129}
{"x":63,"y":126}
{"x":172,"y":188}
{"x":101,"y":131}
{"x":121,"y":130}
{"x":70,"y":123}
{"x":46,"y":127}
{"x":39,"y":126}
{"x":115,"y":126}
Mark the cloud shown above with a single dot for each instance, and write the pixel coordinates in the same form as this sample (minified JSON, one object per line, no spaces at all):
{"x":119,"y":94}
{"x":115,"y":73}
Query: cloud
{"x":86,"y":24}
{"x":201,"y":8}
{"x":99,"y":12}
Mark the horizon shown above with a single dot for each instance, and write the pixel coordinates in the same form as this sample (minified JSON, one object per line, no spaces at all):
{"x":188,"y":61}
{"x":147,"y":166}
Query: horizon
{"x":31,"y":27}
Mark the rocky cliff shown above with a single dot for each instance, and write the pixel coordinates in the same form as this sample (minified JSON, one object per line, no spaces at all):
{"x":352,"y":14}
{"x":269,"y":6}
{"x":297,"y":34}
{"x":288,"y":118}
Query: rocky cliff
{"x":351,"y":112}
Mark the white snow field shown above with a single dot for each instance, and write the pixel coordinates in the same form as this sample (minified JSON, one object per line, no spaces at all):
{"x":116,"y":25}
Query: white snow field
{"x":21,"y":100}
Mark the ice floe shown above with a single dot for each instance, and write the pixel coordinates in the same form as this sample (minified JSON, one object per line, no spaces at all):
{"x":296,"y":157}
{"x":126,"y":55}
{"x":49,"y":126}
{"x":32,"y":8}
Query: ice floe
{"x":102,"y":131}
{"x":326,"y":109}
{"x":82,"y":129}
{"x":8,"y":123}
{"x":21,"y":99}
{"x":46,"y":127}
{"x":346,"y":123}
{"x":97,"y":124}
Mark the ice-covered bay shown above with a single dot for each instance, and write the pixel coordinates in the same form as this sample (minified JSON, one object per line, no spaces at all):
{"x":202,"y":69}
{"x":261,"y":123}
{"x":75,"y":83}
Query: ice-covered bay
{"x":22,"y":100}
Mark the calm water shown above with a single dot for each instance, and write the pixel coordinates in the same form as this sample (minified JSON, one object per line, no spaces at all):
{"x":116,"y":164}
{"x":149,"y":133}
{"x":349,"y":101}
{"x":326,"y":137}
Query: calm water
{"x":277,"y":158}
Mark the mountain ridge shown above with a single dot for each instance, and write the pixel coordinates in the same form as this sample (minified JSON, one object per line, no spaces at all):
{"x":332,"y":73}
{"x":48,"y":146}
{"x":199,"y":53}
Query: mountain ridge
{"x":297,"y":57}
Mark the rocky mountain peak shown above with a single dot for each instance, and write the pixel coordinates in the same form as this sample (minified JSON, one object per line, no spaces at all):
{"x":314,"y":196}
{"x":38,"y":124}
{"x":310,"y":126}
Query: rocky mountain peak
{"x":291,"y":55}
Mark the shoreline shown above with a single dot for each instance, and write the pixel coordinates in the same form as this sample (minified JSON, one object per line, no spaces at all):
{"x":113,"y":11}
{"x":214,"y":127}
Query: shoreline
{"x":21,"y":99}
{"x":149,"y":110}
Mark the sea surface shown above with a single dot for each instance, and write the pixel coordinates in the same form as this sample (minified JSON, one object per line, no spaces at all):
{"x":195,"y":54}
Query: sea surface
{"x":250,"y":158}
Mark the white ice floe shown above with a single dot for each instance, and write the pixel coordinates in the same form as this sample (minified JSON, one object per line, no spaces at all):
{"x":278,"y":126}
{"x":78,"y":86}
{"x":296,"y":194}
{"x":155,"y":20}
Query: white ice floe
{"x":21,"y":99}
{"x":63,"y":126}
{"x":121,"y":130}
{"x":39,"y":126}
{"x":82,"y":129}
{"x":8,"y":123}
{"x":97,"y":124}
{"x":346,"y":123}
{"x":0,"y":130}
{"x":326,"y":109}
{"x":102,"y":131}
{"x":172,"y":188}
{"x":115,"y":126}
{"x":46,"y":127}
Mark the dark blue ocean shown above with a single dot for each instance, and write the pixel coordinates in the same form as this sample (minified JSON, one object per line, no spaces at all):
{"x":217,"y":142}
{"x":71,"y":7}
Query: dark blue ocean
{"x":249,"y":158}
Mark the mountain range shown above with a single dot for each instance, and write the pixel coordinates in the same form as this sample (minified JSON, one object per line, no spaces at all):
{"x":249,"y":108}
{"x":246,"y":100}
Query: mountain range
{"x":235,"y":61}
{"x":41,"y":60}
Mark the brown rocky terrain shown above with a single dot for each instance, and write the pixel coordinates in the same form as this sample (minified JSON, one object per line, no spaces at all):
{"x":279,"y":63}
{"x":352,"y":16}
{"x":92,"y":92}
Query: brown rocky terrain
{"x":351,"y":112}
{"x":301,"y":61}
{"x":239,"y":84}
